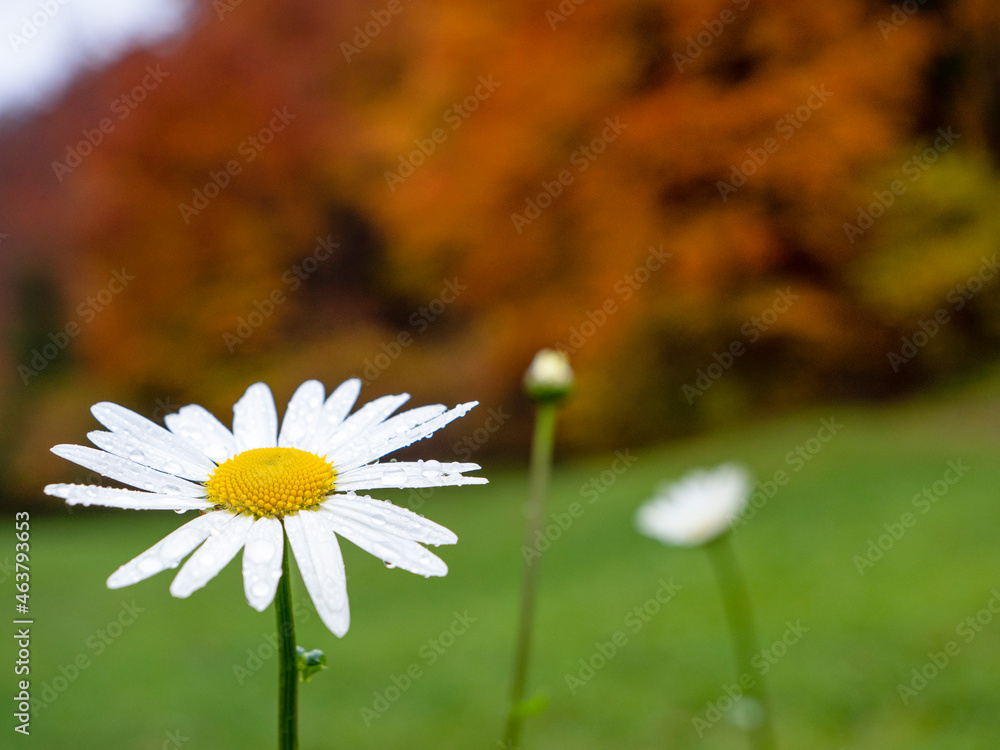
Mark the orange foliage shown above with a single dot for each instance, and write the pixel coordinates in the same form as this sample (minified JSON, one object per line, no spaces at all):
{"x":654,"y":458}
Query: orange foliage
{"x":538,"y":157}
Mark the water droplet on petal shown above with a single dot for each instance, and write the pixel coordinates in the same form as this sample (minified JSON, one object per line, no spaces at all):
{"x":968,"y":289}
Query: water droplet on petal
{"x":394,"y":477}
{"x":389,"y":564}
{"x":170,"y":489}
{"x":137,"y":455}
{"x":173,"y":467}
{"x":260,"y":589}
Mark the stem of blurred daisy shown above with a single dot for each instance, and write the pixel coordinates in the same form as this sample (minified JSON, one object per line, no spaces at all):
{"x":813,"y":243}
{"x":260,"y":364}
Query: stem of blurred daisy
{"x":755,"y":719}
{"x":547,"y":382}
{"x":288,"y":671}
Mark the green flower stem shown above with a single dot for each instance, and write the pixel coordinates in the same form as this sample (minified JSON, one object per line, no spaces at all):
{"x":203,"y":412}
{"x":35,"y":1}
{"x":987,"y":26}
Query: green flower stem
{"x":538,"y":480}
{"x":739,"y":616}
{"x":288,"y":670}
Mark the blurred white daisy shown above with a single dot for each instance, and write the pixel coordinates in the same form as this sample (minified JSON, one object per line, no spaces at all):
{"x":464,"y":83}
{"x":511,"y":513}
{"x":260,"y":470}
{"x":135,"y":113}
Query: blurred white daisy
{"x":697,"y":508}
{"x":256,"y":483}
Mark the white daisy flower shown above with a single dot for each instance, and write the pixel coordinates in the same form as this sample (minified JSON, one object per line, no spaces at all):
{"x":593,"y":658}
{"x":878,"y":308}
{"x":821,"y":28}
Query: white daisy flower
{"x":258,"y":483}
{"x":697,"y":508}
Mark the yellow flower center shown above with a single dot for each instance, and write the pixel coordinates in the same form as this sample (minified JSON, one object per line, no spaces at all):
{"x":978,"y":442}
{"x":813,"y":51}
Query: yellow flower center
{"x":271,"y":482}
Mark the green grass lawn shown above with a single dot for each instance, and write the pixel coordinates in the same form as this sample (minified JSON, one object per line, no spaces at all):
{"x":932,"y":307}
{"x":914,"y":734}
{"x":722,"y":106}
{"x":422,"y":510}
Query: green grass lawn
{"x":202,"y":668}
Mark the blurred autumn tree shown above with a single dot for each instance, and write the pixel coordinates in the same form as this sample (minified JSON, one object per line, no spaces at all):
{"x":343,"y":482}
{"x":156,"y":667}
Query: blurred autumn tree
{"x":713,"y":204}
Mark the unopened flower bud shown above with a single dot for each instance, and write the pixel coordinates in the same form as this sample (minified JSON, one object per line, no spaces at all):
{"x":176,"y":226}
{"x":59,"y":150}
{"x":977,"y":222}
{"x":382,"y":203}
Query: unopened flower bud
{"x":549,"y":378}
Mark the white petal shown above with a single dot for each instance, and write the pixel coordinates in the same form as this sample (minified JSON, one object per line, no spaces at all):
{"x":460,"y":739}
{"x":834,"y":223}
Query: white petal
{"x":167,"y":553}
{"x":406,"y":474}
{"x":265,"y":546}
{"x":211,"y":557}
{"x":421,"y":431}
{"x":255,"y":419}
{"x":341,"y":401}
{"x":198,"y":426}
{"x":129,"y":472}
{"x":359,"y":424}
{"x":384,"y":515}
{"x":145,"y":442}
{"x":303,"y":415}
{"x":383,"y":438}
{"x":333,"y":427}
{"x":388,"y":547}
{"x":114,"y":497}
{"x":322,"y":567}
{"x":697,"y":508}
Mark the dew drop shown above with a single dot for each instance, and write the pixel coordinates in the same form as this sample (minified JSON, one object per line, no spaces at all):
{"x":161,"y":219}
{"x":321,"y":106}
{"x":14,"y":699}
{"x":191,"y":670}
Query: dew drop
{"x":173,"y":467}
{"x":136,"y":455}
{"x":394,"y":477}
{"x":260,"y":589}
{"x":389,"y":564}
{"x":180,"y":511}
{"x":170,"y":489}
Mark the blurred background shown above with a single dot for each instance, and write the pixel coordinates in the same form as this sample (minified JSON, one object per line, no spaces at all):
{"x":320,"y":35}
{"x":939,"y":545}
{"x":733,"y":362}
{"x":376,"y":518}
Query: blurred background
{"x":738,"y":217}
{"x":646,"y":184}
